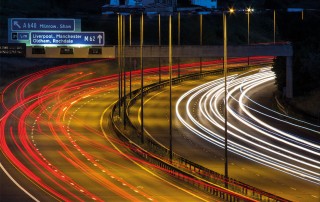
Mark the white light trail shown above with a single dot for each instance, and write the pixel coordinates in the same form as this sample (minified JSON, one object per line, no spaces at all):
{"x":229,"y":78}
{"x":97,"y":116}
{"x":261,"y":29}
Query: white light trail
{"x":268,"y":145}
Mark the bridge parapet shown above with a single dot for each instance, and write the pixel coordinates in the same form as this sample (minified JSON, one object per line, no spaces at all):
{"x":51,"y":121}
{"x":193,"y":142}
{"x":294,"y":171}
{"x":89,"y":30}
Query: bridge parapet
{"x":194,"y":51}
{"x":267,"y":49}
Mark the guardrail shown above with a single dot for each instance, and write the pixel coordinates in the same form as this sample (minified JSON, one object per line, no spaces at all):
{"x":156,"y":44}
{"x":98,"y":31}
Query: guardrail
{"x":181,"y":168}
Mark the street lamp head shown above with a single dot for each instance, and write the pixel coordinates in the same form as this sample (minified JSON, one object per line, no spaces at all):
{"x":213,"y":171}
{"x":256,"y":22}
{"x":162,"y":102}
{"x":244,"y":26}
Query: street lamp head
{"x":249,"y":10}
{"x":231,"y":10}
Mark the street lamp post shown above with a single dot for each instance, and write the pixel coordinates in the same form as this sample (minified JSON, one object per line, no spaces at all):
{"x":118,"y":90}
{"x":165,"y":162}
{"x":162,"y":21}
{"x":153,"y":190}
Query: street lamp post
{"x":225,"y":97}
{"x":170,"y":73}
{"x":159,"y":32}
{"x":130,"y":43}
{"x":225,"y":73}
{"x":179,"y":27}
{"x":200,"y":41}
{"x":124,"y":70}
{"x":119,"y":64}
{"x":141,"y":65}
{"x":249,"y":11}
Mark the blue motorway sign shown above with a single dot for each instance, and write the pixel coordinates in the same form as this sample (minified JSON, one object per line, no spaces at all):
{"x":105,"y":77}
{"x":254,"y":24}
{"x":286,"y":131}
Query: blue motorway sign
{"x":19,"y":29}
{"x":67,"y":38}
{"x":42,"y":24}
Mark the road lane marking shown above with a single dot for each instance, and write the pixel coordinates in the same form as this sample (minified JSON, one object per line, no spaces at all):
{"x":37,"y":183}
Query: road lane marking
{"x":18,"y":185}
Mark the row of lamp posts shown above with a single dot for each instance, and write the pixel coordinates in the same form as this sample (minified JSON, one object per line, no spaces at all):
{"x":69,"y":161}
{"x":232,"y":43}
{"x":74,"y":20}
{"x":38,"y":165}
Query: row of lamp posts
{"x":122,"y":71}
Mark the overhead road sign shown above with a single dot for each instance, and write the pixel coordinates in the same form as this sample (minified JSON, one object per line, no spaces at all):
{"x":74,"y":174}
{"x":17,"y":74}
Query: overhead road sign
{"x":19,"y":29}
{"x":42,"y":24}
{"x":67,"y":38}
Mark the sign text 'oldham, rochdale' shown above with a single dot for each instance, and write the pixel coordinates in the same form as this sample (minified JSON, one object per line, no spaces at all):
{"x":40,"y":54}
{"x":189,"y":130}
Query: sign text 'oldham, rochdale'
{"x":67,"y":38}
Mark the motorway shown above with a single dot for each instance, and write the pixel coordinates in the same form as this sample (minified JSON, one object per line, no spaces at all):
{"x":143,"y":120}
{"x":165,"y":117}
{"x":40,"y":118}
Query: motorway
{"x":57,"y":142}
{"x":267,"y":149}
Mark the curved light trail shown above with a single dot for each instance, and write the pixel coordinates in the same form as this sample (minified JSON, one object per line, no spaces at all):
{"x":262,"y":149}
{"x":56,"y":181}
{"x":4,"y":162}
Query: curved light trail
{"x":250,"y":134}
{"x":45,"y":109}
{"x":47,"y":138}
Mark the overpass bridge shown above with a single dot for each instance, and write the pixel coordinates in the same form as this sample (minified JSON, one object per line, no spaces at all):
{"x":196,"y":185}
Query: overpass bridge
{"x":184,"y":51}
{"x":281,"y":49}
{"x":194,"y":51}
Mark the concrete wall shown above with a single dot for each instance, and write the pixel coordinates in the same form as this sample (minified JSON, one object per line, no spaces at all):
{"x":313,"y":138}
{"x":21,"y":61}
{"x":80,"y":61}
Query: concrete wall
{"x":211,"y":51}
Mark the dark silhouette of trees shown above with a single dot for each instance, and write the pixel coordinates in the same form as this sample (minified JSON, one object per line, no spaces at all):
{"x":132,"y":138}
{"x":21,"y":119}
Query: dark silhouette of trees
{"x":304,"y":35}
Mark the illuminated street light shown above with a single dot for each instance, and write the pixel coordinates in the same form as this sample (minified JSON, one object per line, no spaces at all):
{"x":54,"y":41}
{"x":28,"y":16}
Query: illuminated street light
{"x":225,"y":97}
{"x":119,"y":49}
{"x":159,"y":32}
{"x":225,"y":73}
{"x":179,"y":33}
{"x":141,"y":65}
{"x":124,"y":69}
{"x":249,"y":11}
{"x":200,"y":41}
{"x":170,"y":79}
{"x":130,"y":43}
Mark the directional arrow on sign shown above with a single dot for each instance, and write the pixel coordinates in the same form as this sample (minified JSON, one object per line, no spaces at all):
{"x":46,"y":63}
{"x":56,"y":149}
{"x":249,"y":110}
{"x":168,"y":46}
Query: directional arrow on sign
{"x":100,"y":38}
{"x":15,"y":23}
